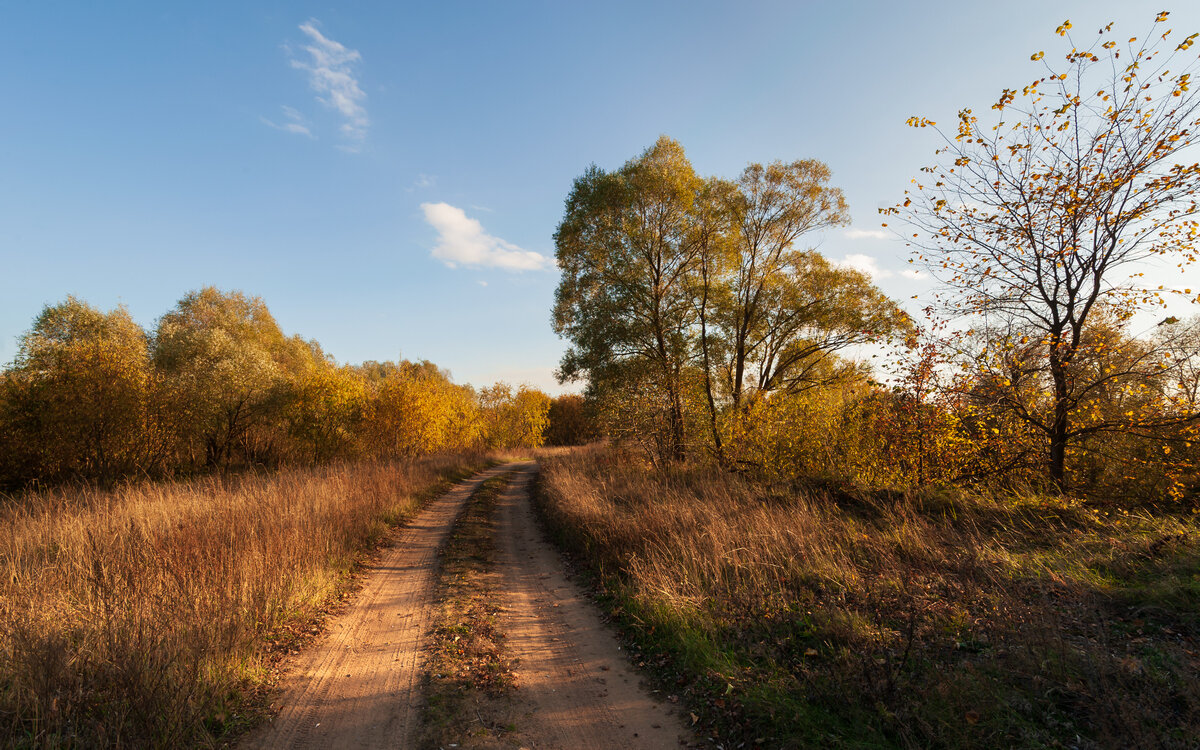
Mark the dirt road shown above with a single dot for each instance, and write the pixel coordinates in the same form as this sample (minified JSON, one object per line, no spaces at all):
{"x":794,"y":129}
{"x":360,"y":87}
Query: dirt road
{"x":359,"y":687}
{"x":575,"y":687}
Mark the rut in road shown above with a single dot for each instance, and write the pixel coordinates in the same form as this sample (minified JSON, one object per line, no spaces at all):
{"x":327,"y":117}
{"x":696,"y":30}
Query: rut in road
{"x":575,"y":686}
{"x":359,"y":686}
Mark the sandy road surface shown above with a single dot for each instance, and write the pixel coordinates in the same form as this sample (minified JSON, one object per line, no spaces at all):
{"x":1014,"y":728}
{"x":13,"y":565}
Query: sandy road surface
{"x":358,"y":687}
{"x":575,"y":688}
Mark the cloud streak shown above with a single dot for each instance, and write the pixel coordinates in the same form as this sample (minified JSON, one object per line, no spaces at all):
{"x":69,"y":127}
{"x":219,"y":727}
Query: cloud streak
{"x":463,"y":242}
{"x":331,"y":74}
{"x":294,"y":123}
{"x":866,"y":234}
{"x":864,"y":263}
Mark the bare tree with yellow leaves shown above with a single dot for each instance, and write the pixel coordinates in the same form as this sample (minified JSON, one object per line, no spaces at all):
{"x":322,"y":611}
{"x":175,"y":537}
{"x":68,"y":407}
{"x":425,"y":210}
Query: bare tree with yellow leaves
{"x":1038,"y":221}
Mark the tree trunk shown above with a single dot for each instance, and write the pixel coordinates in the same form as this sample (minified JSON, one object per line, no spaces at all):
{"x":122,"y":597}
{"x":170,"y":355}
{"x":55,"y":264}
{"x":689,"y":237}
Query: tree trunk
{"x":739,"y":373}
{"x":1059,"y":427}
{"x":677,"y":451}
{"x":718,"y":448}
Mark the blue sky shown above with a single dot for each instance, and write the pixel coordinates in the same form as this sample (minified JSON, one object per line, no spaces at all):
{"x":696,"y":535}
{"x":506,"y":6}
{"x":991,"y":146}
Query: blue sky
{"x":388,"y":176}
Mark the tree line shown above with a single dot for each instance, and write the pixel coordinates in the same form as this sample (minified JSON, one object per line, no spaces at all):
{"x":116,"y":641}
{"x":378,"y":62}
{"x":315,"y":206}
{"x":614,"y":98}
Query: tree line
{"x":216,"y":383}
{"x":706,"y":327}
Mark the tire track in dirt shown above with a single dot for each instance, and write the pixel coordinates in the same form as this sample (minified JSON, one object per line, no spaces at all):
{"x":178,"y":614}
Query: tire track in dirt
{"x":358,"y":687}
{"x":575,"y":687}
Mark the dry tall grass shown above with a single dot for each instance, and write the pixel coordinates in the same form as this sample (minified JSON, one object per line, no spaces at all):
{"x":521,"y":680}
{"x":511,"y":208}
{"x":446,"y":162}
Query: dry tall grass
{"x":803,"y":618}
{"x":143,"y":616}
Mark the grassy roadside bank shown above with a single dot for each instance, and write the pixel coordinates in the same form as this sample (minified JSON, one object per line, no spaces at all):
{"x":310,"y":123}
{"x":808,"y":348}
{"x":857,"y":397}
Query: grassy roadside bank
{"x":151,"y":615}
{"x":468,"y":675}
{"x":796,"y":619}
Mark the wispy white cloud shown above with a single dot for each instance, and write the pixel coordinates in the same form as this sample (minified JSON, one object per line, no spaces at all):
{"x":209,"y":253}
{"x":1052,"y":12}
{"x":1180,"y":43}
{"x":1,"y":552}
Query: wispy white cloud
{"x":331,"y":74}
{"x":864,"y":263}
{"x":913,"y":273}
{"x":423,"y":182}
{"x":294,"y":122}
{"x":865,"y":234}
{"x":462,"y":241}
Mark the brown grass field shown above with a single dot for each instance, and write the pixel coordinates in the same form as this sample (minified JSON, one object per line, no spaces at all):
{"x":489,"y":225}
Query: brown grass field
{"x":778,"y":616}
{"x":808,"y":617}
{"x":151,"y":615}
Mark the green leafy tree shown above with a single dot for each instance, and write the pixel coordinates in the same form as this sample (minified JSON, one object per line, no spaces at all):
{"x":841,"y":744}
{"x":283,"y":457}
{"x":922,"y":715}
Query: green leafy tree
{"x":774,"y":314}
{"x":626,"y":248}
{"x":674,"y":286}
{"x":770,"y":307}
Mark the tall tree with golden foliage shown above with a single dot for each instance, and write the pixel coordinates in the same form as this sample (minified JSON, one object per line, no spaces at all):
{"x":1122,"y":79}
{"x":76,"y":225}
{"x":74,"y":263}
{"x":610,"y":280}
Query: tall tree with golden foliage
{"x":327,"y":407}
{"x":514,"y":419}
{"x":415,"y":409}
{"x":78,"y":393}
{"x":225,"y":363}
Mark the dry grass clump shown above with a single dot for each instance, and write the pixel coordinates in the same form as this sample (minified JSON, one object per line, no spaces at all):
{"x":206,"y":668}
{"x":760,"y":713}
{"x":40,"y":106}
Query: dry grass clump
{"x":800,"y":617}
{"x":147,"y":615}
